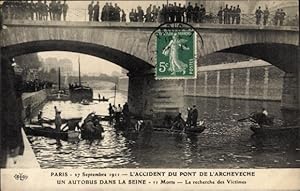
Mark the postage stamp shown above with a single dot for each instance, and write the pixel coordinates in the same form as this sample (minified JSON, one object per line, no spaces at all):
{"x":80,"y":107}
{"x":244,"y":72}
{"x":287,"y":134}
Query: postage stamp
{"x":176,"y":55}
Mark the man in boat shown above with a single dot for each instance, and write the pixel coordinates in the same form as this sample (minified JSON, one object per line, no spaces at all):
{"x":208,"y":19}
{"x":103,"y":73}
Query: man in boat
{"x":92,"y":126}
{"x":189,"y":117}
{"x":126,"y":114}
{"x":261,"y":118}
{"x":111,"y":113}
{"x":118,"y":113}
{"x":194,"y":116}
{"x":40,"y":117}
{"x":178,"y":123}
{"x":58,"y":121}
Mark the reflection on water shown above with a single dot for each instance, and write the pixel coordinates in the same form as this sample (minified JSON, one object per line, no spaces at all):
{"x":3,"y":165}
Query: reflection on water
{"x":224,"y":144}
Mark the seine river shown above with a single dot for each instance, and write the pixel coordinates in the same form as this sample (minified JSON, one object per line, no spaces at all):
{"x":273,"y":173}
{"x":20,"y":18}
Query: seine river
{"x":224,"y":144}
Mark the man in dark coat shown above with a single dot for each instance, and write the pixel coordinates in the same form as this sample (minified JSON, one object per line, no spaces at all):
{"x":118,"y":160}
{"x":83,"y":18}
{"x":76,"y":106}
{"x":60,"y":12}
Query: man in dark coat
{"x":194,"y":116}
{"x":90,"y":10}
{"x":96,"y":11}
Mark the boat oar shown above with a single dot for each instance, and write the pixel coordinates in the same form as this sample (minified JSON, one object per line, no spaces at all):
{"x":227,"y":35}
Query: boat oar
{"x":243,"y":119}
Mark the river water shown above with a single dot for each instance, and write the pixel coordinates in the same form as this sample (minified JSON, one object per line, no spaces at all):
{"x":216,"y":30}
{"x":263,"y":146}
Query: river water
{"x":224,"y":144}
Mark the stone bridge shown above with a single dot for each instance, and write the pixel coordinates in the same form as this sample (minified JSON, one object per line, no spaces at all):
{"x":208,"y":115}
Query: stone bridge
{"x":125,"y":44}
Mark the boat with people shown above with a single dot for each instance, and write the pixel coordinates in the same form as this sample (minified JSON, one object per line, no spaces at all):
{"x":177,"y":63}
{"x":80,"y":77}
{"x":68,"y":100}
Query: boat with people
{"x":136,"y":125}
{"x":103,"y":99}
{"x":263,"y":124}
{"x":90,"y":129}
{"x":48,"y":131}
{"x":48,"y":121}
{"x":268,"y":130}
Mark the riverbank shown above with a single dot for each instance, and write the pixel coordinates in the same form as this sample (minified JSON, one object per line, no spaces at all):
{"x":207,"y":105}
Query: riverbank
{"x":28,"y":159}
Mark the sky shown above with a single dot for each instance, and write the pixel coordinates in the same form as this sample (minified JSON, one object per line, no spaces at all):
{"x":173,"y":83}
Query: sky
{"x":88,"y":64}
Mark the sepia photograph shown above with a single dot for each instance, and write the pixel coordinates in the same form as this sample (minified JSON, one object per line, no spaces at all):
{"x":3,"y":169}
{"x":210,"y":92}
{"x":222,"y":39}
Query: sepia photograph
{"x":186,"y":84}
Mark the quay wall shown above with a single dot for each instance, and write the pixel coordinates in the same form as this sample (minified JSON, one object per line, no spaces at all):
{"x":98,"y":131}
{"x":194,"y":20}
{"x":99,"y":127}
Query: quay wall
{"x":28,"y":159}
{"x":254,"y":80}
{"x":35,"y":99}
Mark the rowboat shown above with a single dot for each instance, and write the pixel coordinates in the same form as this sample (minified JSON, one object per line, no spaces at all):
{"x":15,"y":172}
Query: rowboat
{"x":103,"y":99}
{"x":190,"y":131}
{"x":273,"y":130}
{"x":51,"y":121}
{"x":47,"y":131}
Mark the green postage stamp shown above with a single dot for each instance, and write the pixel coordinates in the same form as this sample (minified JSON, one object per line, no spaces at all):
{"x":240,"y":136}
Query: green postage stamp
{"x":176,"y":55}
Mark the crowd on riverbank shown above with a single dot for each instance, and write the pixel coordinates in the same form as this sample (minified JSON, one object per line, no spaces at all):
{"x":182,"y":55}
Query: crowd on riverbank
{"x":36,"y":85}
{"x":171,"y":12}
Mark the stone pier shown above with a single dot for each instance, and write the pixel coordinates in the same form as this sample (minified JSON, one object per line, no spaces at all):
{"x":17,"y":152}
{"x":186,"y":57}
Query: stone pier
{"x":290,"y":97}
{"x":162,"y":96}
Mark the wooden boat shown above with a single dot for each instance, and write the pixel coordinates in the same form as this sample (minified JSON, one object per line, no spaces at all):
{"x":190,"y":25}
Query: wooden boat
{"x":273,"y":130}
{"x":103,"y":99}
{"x":47,"y":131}
{"x":80,"y":92}
{"x":135,"y":125}
{"x":190,"y":131}
{"x":51,"y":121}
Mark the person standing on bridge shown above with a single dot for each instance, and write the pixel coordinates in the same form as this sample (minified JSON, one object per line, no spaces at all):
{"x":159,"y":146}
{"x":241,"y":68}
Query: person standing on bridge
{"x":65,"y":8}
{"x":123,"y":16}
{"x":51,"y":5}
{"x":238,"y":14}
{"x":258,"y":14}
{"x":39,"y":11}
{"x":266,"y":16}
{"x":90,"y":10}
{"x":196,"y":13}
{"x":96,"y":11}
{"x":189,"y":12}
{"x":31,"y":9}
{"x":281,"y":17}
{"x":45,"y":9}
{"x":202,"y":13}
{"x":220,"y":15}
{"x":59,"y":10}
{"x":225,"y":11}
{"x":233,"y":15}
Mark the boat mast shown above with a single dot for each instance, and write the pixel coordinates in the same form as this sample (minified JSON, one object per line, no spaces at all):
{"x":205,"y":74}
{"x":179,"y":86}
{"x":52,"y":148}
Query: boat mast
{"x":58,"y":78}
{"x":115,"y":93}
{"x":79,"y":78}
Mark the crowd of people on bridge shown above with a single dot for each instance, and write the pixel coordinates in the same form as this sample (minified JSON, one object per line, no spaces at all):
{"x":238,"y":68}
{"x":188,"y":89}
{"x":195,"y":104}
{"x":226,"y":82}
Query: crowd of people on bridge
{"x":40,"y":10}
{"x":278,"y":17}
{"x":170,"y":12}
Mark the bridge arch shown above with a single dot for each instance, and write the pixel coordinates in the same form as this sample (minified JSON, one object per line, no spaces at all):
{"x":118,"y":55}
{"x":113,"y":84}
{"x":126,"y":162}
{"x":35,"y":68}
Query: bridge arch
{"x":122,"y":59}
{"x":283,"y":56}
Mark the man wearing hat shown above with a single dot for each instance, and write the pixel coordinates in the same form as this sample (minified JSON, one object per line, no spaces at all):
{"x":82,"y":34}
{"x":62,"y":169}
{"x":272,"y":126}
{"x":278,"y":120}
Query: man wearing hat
{"x":194,"y":116}
{"x":58,"y":120}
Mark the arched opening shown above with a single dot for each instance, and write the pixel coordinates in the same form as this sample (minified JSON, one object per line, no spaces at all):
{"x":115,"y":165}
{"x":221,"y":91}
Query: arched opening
{"x":283,"y":56}
{"x":124,"y":60}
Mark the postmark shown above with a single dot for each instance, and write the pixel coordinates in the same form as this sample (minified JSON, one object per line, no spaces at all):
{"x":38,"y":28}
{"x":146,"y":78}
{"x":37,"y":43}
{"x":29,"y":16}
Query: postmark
{"x":174,"y":51}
